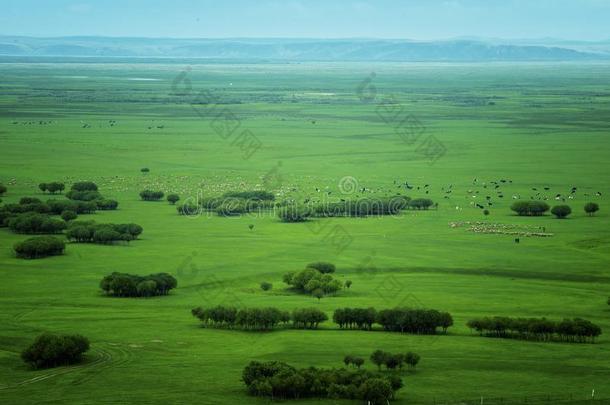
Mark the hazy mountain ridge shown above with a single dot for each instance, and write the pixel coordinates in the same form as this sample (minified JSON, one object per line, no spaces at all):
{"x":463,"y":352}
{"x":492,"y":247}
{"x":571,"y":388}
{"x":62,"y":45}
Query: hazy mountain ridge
{"x":306,"y":49}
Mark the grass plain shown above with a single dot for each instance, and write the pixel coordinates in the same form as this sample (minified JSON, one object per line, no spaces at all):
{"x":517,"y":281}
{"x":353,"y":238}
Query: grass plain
{"x":537,"y":125}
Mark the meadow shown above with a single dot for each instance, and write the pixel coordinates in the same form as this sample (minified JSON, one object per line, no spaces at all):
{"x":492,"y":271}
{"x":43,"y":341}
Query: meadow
{"x":320,"y":133}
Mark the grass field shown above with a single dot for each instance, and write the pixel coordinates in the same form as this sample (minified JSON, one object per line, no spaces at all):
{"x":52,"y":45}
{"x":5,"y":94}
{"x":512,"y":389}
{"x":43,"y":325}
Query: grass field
{"x":537,"y":125}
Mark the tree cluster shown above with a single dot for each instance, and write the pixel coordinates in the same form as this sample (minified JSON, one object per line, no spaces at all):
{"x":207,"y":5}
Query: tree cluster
{"x":49,"y":350}
{"x":530,"y":208}
{"x":129,"y":285}
{"x":278,"y":380}
{"x":251,"y":195}
{"x":293,"y":213}
{"x":87,"y":191}
{"x":361,"y":207}
{"x":91,"y":232}
{"x":406,"y":320}
{"x":34,"y":223}
{"x":393,"y":361}
{"x":561,"y":211}
{"x":539,"y":329}
{"x":259,"y":319}
{"x":52,"y":187}
{"x":313,"y":281}
{"x":39,"y":247}
{"x":150,"y":195}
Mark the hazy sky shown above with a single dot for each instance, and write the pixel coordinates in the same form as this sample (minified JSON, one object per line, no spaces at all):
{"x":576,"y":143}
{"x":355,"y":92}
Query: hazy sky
{"x":415,"y":19}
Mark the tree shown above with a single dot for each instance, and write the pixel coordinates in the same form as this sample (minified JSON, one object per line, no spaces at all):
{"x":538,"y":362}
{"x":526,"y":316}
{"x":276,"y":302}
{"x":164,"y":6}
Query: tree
{"x":348,"y":283}
{"x":43,"y":187}
{"x":68,"y":215}
{"x":378,"y":358}
{"x":392,"y":361}
{"x":318,"y":293}
{"x":145,"y":170}
{"x":561,"y":211}
{"x":39,"y":247}
{"x":591,"y":208}
{"x":2,"y":189}
{"x":173,"y":198}
{"x":486,"y":212}
{"x":347,"y":360}
{"x":266,"y":286}
{"x":529,"y":208}
{"x":357,"y":361}
{"x":376,"y":391}
{"x":49,"y":350}
{"x":412,"y":359}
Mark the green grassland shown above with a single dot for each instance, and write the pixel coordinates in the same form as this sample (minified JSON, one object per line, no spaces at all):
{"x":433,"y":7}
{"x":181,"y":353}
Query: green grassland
{"x":538,"y":125}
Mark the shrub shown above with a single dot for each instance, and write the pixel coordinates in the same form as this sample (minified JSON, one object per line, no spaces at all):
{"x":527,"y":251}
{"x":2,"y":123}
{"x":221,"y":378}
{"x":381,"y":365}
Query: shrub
{"x":39,"y":247}
{"x":149,"y":195}
{"x":129,"y":285}
{"x":188,"y":209}
{"x":173,"y":198}
{"x":266,"y":286}
{"x":322,"y":267}
{"x":145,"y":170}
{"x":68,"y":215}
{"x":29,"y":200}
{"x":591,"y":208}
{"x":561,"y":211}
{"x":2,"y":189}
{"x":49,"y":350}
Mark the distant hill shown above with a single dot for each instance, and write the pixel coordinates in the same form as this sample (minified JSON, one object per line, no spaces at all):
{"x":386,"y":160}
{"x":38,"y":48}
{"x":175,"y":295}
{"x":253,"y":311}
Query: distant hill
{"x":462,"y":50}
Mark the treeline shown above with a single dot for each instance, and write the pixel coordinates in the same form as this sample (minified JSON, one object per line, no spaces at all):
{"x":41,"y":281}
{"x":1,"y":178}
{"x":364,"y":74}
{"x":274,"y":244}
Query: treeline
{"x":260,"y":319}
{"x":278,"y":380}
{"x":539,"y":329}
{"x":129,"y":285}
{"x":49,"y":350}
{"x":39,"y":247}
{"x":91,"y":232}
{"x":405,"y":320}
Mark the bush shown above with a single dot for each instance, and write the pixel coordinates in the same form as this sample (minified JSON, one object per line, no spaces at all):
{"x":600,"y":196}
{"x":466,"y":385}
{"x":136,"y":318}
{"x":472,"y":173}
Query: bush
{"x":34,"y":223}
{"x":529,"y":208}
{"x":145,"y":170}
{"x":591,"y":208}
{"x":149,"y":195}
{"x":29,"y":200}
{"x":2,"y":189}
{"x":561,"y":211}
{"x":322,"y":267}
{"x":173,"y":198}
{"x":49,"y":350}
{"x":39,"y":247}
{"x":129,"y":285}
{"x":68,"y":215}
{"x":266,"y":286}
